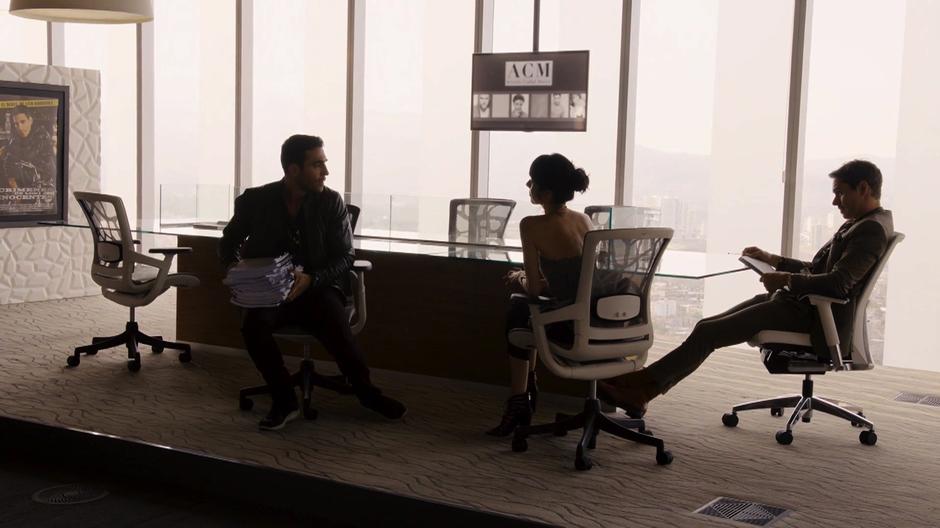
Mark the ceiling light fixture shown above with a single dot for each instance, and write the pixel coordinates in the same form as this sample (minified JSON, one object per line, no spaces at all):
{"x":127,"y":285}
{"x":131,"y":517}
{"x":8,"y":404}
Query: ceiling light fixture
{"x":87,"y":11}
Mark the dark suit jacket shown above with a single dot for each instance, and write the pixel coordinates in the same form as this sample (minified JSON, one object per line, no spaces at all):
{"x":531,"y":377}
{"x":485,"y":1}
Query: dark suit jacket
{"x":839,"y":269}
{"x":260,"y":227}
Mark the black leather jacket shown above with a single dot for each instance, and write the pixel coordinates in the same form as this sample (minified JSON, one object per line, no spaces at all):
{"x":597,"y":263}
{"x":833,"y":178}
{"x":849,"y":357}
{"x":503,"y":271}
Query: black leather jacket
{"x":260,"y":227}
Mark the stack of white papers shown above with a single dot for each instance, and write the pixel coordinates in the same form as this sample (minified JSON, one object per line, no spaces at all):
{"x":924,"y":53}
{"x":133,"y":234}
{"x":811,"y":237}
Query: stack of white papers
{"x":261,"y":282}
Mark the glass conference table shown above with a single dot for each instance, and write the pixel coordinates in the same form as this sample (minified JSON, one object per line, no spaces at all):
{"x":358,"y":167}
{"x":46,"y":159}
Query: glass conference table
{"x":434,"y":308}
{"x":676,"y":263}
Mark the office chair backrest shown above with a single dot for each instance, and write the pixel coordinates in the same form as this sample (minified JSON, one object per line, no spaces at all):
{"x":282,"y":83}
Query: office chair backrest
{"x":113,"y":261}
{"x":356,"y":302}
{"x":617,"y":270}
{"x":861,"y":354}
{"x":353,"y":211}
{"x":478,"y":220}
{"x":600,"y":215}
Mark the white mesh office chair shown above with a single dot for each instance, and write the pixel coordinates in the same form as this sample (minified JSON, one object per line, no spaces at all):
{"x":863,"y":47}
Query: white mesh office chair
{"x":613,"y":331}
{"x":127,"y":277}
{"x":307,"y":377}
{"x":478,"y":220}
{"x":792,"y":353}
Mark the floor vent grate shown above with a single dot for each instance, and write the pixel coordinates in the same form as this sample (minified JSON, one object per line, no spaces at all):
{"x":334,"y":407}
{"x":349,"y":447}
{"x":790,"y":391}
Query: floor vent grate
{"x":931,"y":400}
{"x":924,"y":399}
{"x":69,"y":494}
{"x":909,"y":397}
{"x":748,"y":512}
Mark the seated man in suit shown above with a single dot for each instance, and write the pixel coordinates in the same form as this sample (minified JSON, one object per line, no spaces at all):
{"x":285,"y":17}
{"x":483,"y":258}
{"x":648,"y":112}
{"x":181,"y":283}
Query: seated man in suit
{"x":299,"y":215}
{"x":838,"y":270}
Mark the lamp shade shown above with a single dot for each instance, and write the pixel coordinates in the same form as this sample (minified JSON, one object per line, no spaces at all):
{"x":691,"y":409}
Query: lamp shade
{"x":88,"y":11}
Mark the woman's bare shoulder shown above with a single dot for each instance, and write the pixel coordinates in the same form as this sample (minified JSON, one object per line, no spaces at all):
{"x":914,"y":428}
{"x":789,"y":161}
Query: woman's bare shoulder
{"x":531,"y":222}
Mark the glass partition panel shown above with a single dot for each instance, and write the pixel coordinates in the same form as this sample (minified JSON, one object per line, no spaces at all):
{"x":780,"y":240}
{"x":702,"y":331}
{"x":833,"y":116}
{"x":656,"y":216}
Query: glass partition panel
{"x":208,"y":205}
{"x":375,"y":213}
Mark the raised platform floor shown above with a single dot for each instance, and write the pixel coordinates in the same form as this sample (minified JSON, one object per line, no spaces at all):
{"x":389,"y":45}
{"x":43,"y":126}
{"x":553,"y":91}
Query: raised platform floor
{"x":436,"y":464}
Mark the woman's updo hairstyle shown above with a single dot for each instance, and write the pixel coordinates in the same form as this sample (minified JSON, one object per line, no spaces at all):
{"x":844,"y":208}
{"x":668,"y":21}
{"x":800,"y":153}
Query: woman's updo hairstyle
{"x":556,"y":173}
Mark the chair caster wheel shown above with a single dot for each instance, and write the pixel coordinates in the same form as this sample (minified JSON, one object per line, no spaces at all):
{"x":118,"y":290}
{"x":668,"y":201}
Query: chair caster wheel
{"x":133,"y":365}
{"x":729,"y":419}
{"x":73,"y":361}
{"x":186,"y":356}
{"x":157,"y":349}
{"x":310,"y":414}
{"x":663,"y":458}
{"x":868,"y":437}
{"x":583,"y":463}
{"x":246,"y":404}
{"x":784,"y":437}
{"x":776,"y":411}
{"x":858,"y":424}
{"x":519,"y":445}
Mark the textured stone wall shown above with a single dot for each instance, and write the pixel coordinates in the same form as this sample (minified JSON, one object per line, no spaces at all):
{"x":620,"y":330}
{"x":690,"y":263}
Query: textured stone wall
{"x":40,"y":263}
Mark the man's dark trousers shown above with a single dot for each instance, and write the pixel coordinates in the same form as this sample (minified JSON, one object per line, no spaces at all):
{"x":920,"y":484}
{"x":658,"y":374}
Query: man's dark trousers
{"x":780,"y":311}
{"x":322,"y":312}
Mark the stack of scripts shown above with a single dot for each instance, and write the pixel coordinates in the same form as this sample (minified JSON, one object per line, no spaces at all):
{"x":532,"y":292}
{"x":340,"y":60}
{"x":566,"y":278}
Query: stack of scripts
{"x":260,"y":282}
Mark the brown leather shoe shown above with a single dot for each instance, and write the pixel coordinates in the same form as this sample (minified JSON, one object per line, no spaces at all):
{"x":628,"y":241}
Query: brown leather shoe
{"x":627,"y":392}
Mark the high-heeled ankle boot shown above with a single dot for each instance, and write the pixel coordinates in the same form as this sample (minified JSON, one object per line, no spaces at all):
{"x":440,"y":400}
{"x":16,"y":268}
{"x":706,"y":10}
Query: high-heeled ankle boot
{"x":518,"y":412}
{"x":532,"y":389}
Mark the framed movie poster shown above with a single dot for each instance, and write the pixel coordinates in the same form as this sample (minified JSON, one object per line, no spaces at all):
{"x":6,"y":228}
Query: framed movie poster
{"x":33,"y":153}
{"x":530,"y":91}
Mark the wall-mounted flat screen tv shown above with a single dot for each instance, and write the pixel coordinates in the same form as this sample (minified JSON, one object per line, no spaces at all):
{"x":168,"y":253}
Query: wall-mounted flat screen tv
{"x":530,"y":91}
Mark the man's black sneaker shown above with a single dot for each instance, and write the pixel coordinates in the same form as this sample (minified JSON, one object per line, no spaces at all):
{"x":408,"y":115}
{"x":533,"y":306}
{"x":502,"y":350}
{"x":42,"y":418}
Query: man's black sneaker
{"x":387,"y":407}
{"x":277,"y":418}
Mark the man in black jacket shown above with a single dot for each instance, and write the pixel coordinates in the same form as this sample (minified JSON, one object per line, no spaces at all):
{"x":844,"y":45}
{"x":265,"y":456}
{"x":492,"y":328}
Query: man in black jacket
{"x":299,"y":215}
{"x":839,"y":269}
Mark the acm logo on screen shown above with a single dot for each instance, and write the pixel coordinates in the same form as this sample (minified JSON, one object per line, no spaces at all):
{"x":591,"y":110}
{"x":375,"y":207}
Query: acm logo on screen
{"x":529,"y":73}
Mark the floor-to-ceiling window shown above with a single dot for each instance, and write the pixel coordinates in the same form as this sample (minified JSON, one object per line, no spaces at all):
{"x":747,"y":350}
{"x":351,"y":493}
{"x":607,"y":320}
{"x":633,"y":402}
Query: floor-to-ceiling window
{"x":416,"y":137}
{"x":855,"y":51}
{"x":112,"y":51}
{"x":563,"y":25}
{"x":24,"y":39}
{"x":194,"y":107}
{"x":711,"y":118}
{"x":298,"y":82}
{"x":911,"y":304}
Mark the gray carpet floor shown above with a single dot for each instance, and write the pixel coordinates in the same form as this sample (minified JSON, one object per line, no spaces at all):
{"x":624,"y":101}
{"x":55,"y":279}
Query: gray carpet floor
{"x":825,"y":478}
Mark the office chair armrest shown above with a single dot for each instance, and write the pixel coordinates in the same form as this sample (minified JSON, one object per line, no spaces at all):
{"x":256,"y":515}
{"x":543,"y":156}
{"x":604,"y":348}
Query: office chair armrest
{"x":823,"y":306}
{"x":821,"y":299}
{"x":171,"y":250}
{"x":541,"y":301}
{"x":565,"y":313}
{"x":362,"y":265}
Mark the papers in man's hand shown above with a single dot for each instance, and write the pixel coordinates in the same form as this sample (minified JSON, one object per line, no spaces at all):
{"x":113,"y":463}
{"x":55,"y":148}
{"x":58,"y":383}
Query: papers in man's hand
{"x":260,"y":282}
{"x":759,"y":266}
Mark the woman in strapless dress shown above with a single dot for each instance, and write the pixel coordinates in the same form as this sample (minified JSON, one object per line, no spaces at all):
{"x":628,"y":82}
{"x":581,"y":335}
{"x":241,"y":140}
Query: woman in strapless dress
{"x":551,"y":255}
